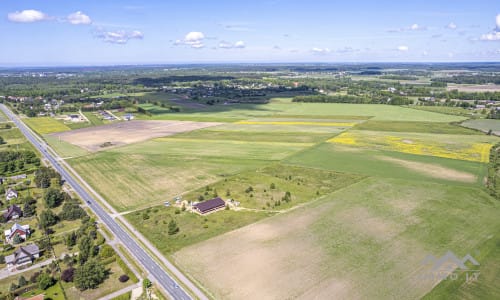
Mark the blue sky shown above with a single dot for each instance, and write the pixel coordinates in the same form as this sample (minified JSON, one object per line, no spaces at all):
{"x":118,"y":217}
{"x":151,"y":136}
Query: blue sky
{"x":93,"y":32}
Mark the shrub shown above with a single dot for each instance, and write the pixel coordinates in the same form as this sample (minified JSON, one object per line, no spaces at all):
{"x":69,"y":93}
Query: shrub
{"x":68,"y":274}
{"x":123,"y":278}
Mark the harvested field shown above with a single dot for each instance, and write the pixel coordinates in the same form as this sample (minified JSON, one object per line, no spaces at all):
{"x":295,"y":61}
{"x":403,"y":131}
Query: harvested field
{"x":117,"y":134}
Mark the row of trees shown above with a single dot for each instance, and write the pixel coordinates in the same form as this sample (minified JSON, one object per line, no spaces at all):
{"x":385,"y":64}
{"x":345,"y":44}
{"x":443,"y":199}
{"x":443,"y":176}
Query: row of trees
{"x":392,"y":99}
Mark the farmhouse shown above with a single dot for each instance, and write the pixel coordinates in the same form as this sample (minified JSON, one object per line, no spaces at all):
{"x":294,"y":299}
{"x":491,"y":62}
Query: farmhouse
{"x":23,"y":255}
{"x":209,"y":205}
{"x":22,"y":230}
{"x":12,"y":213}
{"x":10,"y":194}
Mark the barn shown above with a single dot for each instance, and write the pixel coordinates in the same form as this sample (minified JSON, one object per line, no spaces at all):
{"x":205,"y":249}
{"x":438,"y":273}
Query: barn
{"x":209,"y":205}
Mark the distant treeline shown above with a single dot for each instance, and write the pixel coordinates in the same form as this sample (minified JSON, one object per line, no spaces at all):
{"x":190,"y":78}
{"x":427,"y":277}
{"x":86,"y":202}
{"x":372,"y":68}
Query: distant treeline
{"x":455,"y":94}
{"x":399,"y":77}
{"x":393,"y":100}
{"x":469,"y":79}
{"x":160,"y":81}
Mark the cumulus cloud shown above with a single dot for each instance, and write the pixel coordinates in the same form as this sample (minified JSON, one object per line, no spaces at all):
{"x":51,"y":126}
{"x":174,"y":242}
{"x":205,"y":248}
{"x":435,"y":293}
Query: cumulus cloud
{"x":27,"y":16}
{"x":495,"y":34}
{"x":403,"y":48}
{"x":119,"y":36}
{"x":451,"y":26}
{"x":194,"y":39}
{"x":320,"y":51}
{"x":78,"y":18}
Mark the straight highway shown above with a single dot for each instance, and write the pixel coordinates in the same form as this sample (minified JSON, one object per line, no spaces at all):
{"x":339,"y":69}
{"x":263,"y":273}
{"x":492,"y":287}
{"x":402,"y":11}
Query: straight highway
{"x":158,"y":274}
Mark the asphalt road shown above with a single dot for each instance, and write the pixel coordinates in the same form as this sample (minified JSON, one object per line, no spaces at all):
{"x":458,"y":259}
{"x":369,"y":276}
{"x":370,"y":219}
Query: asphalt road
{"x":156,"y":271}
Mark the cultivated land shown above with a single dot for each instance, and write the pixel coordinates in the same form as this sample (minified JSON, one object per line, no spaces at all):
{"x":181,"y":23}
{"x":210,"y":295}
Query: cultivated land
{"x":366,"y":241}
{"x":117,"y":134}
{"x":484,"y":125}
{"x":45,"y":125}
{"x":374,"y":189}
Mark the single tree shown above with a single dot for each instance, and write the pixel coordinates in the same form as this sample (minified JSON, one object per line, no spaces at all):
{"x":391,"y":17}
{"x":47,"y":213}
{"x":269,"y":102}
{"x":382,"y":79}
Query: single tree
{"x":45,"y":281}
{"x":172,"y":227}
{"x":89,"y":275}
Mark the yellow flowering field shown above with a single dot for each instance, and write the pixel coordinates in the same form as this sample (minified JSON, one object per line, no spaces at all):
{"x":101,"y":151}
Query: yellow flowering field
{"x":461,"y":147}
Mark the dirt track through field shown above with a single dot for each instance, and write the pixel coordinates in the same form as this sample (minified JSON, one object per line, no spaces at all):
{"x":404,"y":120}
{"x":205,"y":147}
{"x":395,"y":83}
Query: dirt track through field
{"x":123,"y":133}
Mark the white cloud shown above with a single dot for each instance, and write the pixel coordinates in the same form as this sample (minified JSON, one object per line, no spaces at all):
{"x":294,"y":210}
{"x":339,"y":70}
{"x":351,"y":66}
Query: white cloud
{"x":228,"y":45}
{"x":27,"y":16}
{"x":78,"y":18}
{"x":225,"y":45}
{"x":403,"y":48}
{"x":239,"y":44}
{"x":413,"y":27}
{"x":119,"y":36}
{"x":451,"y":26}
{"x":316,"y":50}
{"x":494,"y":36}
{"x":425,"y":53}
{"x":194,"y":39}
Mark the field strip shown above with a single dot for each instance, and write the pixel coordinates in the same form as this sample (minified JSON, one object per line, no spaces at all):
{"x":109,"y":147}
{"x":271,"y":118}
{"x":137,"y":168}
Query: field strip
{"x":234,"y":142}
{"x":332,"y":124}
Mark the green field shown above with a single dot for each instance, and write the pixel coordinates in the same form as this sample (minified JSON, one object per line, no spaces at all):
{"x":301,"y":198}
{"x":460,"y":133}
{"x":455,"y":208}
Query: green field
{"x":484,"y":125}
{"x":153,"y":109}
{"x":93,"y":119}
{"x":193,"y":228}
{"x":365,"y":241}
{"x":45,"y":125}
{"x":63,"y":148}
{"x":422,"y":127}
{"x":270,"y":184}
{"x":284,"y":106}
{"x":380,"y":163}
{"x":366,"y":203}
